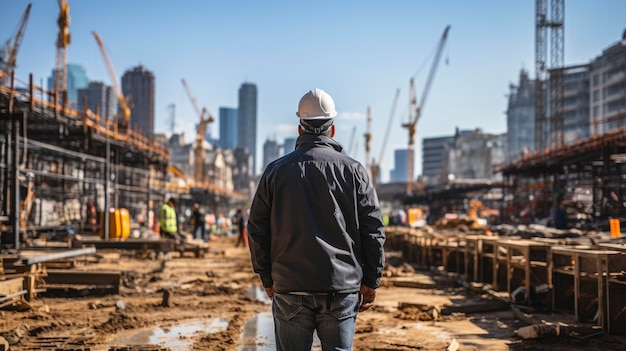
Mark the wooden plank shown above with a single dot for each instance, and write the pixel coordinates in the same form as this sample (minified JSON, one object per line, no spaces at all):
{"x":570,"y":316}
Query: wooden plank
{"x":11,"y":286}
{"x":95,"y":278}
{"x":160,"y":245}
{"x":476,"y":307}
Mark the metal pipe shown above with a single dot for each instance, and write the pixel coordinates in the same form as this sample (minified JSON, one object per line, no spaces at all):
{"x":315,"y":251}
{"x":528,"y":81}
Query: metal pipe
{"x":59,"y":255}
{"x":15,"y":192}
{"x":61,"y":176}
{"x":107,"y":179}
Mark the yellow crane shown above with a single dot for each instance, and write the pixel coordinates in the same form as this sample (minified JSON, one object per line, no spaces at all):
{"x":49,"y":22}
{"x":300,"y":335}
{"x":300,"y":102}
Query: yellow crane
{"x":375,"y":165}
{"x":63,"y":40}
{"x":121,"y":122}
{"x":201,"y":132}
{"x":12,"y":49}
{"x":415,"y":110}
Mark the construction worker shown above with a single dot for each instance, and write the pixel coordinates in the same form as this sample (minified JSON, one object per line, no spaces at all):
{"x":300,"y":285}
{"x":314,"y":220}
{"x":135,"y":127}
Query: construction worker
{"x":316,"y":235}
{"x":198,"y":223}
{"x":241,"y":228}
{"x":167,"y":220}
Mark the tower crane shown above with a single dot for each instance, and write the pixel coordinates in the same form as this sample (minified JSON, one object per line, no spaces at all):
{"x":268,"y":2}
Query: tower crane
{"x":122,"y":122}
{"x":63,"y":40}
{"x":351,"y":144}
{"x":375,"y":167}
{"x":12,"y":49}
{"x":415,"y":109}
{"x":201,"y":131}
{"x":368,"y":138}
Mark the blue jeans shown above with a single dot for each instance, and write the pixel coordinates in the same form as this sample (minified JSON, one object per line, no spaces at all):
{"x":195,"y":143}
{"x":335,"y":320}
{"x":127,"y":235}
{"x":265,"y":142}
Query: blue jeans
{"x":333,"y":316}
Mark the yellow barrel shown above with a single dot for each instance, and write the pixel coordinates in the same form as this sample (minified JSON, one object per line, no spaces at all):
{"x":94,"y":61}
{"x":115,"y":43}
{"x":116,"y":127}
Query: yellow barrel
{"x":124,"y":216}
{"x":119,"y":224}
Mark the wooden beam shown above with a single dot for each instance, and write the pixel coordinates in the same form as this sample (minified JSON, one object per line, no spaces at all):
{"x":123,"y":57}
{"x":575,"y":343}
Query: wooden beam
{"x":93,"y":278}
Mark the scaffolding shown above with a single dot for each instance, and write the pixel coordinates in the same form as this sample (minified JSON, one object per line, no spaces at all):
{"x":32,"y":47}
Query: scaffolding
{"x":54,"y":160}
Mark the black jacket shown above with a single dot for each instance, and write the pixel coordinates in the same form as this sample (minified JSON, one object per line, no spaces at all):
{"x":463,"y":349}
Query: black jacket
{"x":315,"y":223}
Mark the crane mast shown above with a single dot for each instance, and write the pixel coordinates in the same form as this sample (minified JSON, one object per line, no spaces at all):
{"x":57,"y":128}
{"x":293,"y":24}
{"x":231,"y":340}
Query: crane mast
{"x":63,"y":40}
{"x":12,"y":49}
{"x":201,"y":132}
{"x":416,"y":108}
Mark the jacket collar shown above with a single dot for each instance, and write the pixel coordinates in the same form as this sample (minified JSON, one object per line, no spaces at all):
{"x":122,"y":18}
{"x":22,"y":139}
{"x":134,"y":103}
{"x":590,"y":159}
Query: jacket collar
{"x":315,"y":140}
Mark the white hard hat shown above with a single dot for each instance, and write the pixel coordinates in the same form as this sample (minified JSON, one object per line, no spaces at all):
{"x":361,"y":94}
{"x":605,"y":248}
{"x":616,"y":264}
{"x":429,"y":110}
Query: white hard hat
{"x":316,"y":104}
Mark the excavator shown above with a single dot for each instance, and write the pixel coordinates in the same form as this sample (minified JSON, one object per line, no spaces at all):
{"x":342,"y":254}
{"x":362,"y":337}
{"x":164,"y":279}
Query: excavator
{"x":122,"y":120}
{"x":205,"y":118}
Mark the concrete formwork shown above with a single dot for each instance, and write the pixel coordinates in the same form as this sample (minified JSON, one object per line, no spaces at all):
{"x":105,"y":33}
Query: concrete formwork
{"x":586,"y":282}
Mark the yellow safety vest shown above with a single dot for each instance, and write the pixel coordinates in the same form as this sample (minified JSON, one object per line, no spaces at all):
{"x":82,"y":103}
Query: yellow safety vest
{"x":167,"y":220}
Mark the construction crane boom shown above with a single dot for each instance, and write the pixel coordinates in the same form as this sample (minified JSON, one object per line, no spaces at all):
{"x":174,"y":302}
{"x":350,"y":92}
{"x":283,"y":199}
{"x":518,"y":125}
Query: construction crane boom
{"x":351,"y":144}
{"x":192,"y":98}
{"x":63,"y":40}
{"x":12,"y":49}
{"x":391,"y":114}
{"x":201,"y":132}
{"x":416,"y":108}
{"x":122,"y":122}
{"x":376,"y":163}
{"x":368,"y":138}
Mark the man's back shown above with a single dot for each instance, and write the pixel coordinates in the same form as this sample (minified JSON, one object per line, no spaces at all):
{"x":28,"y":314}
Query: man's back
{"x":316,"y":195}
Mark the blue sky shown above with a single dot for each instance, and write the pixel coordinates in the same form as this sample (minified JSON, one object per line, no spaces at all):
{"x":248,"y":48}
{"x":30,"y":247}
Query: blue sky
{"x":358,"y":51}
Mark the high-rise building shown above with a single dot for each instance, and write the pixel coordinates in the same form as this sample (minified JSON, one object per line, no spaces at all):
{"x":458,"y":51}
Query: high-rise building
{"x":400,"y":171}
{"x":576,"y":122}
{"x":608,"y":97}
{"x":228,"y":128}
{"x":433,"y":158}
{"x":100,"y":97}
{"x":138,"y":86}
{"x":289,"y":145}
{"x":271,"y":152}
{"x":242,"y":171}
{"x":246,"y":121}
{"x":473,"y":154}
{"x":520,"y":117}
{"x":76,"y":79}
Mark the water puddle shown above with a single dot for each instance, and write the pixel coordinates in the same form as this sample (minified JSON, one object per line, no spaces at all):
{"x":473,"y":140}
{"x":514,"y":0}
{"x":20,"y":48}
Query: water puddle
{"x":175,"y":338}
{"x":258,"y":334}
{"x":258,"y":293}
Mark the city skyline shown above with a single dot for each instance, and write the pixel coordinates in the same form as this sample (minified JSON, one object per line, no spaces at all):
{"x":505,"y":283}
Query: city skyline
{"x":361,"y":54}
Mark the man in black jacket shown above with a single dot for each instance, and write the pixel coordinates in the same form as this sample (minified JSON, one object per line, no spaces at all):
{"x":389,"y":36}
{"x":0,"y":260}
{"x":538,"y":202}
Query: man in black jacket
{"x":316,"y":235}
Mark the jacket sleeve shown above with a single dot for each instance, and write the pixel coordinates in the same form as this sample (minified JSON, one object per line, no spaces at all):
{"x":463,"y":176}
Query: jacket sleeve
{"x":259,"y":235}
{"x":372,"y":231}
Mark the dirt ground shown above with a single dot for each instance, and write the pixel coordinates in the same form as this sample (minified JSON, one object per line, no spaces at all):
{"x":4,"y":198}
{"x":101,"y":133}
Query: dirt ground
{"x":214,"y":303}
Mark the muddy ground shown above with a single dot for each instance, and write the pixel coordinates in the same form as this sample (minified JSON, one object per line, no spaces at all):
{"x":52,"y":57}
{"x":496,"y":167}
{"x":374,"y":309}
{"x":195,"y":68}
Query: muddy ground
{"x":214,"y":303}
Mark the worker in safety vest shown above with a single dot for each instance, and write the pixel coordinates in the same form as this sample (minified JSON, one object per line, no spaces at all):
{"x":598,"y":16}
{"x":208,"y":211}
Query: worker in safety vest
{"x":167,"y":219}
